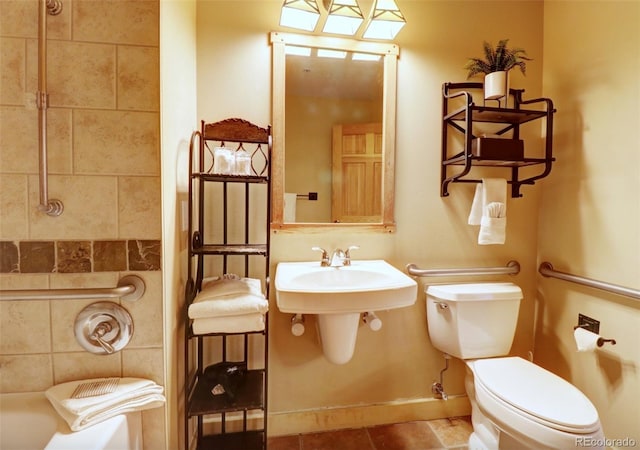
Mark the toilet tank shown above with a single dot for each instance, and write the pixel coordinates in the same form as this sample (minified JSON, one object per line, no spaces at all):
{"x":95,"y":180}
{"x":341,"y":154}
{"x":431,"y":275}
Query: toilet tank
{"x":471,"y":321}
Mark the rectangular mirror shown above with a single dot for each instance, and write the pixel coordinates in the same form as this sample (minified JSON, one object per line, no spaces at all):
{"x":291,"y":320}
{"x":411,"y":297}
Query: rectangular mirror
{"x":334,"y":111}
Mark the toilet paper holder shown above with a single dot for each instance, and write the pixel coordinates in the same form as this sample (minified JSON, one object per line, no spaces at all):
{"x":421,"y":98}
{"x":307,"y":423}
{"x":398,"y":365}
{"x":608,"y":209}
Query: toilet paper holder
{"x":601,"y":341}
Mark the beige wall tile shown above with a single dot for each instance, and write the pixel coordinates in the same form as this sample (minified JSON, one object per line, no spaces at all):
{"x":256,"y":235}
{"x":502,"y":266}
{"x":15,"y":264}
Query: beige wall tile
{"x":24,"y":281}
{"x":84,"y":365}
{"x":12,"y":71}
{"x":139,"y":207}
{"x":63,"y":318}
{"x":147,"y":313}
{"x":13,"y":207}
{"x":24,"y":327}
{"x":143,"y":363}
{"x":116,"y":142}
{"x":19,"y":140}
{"x":18,"y":18}
{"x":25,"y":373}
{"x":83,"y":280}
{"x":59,"y":26}
{"x":117,"y":21}
{"x":59,"y":132}
{"x":90,"y":208}
{"x":81,"y":74}
{"x":138,"y":82}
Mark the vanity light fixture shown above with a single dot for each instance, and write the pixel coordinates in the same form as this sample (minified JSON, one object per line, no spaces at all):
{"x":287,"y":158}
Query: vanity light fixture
{"x":300,"y":14}
{"x":386,"y":20}
{"x":344,"y":17}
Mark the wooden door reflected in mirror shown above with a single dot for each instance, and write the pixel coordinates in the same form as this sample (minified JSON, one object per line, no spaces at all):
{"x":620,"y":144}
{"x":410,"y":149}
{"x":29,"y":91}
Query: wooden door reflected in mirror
{"x":356,"y":175}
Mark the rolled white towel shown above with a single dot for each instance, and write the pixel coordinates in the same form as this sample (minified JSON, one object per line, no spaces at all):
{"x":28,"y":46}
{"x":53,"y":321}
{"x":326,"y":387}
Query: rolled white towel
{"x":131,"y":394}
{"x":493,"y":225}
{"x":490,"y":190}
{"x":229,"y":324}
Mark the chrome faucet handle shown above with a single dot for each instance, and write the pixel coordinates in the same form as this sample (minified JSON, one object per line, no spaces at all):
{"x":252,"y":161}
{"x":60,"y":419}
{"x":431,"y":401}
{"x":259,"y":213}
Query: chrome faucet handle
{"x":98,"y":333}
{"x":325,"y":256}
{"x":347,"y":254}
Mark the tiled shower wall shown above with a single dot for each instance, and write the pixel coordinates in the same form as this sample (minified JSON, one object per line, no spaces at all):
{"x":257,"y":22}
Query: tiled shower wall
{"x":104,"y":165}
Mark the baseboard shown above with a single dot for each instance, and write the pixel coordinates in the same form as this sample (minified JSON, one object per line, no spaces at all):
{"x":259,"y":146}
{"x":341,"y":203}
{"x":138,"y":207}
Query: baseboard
{"x":325,"y":419}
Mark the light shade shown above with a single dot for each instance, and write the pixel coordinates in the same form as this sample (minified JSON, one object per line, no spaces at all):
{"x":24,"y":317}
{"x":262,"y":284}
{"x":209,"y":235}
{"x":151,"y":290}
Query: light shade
{"x":386,"y":20}
{"x":344,"y":17}
{"x":300,"y":14}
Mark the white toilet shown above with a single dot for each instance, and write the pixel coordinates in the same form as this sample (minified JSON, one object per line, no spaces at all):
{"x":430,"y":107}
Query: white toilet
{"x":514,"y":403}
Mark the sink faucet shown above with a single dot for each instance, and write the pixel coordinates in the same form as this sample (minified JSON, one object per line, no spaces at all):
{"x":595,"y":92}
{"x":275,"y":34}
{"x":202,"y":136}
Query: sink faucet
{"x":338,"y":258}
{"x":342,"y":258}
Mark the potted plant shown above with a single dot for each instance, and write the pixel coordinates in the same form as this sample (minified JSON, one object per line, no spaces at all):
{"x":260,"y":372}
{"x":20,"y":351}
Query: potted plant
{"x":495,"y":66}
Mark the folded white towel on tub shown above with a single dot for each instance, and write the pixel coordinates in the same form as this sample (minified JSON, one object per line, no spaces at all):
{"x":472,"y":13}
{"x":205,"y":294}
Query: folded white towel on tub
{"x":229,"y":324}
{"x":130,"y":394}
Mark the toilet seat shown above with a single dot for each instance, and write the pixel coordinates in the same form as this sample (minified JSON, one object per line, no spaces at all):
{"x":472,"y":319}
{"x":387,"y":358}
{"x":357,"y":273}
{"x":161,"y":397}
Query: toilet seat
{"x":516,"y":384}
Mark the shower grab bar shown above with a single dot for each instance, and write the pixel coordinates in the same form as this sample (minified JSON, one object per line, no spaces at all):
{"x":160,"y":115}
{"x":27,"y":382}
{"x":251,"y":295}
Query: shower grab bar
{"x":547,"y":270}
{"x":130,"y":287}
{"x":512,"y":268}
{"x":52,"y":207}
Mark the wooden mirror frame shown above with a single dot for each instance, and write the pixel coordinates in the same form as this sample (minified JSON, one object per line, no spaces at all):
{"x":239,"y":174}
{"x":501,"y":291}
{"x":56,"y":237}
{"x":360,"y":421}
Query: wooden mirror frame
{"x":390,"y":54}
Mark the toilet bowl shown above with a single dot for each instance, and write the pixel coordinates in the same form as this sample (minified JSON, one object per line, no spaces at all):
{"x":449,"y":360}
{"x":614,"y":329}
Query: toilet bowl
{"x":532,"y":405}
{"x":515,"y":404}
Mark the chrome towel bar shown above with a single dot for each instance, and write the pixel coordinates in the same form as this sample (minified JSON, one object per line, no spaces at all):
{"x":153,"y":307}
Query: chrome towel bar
{"x":512,"y":268}
{"x":130,"y":287}
{"x":547,"y":270}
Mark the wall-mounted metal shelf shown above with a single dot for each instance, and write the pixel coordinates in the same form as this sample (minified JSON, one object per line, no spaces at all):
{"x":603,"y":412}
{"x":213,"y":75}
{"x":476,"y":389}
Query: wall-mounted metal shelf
{"x":504,"y":151}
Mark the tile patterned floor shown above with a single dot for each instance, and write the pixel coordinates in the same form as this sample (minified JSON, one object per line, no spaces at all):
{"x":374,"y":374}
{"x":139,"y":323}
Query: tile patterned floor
{"x":452,"y":433}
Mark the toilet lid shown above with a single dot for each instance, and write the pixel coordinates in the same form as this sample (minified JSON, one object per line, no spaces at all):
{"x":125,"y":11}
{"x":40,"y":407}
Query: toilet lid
{"x":536,"y":391}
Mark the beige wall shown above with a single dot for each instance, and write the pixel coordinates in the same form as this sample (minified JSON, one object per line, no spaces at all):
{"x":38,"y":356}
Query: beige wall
{"x":178,"y":119}
{"x":103,"y":81}
{"x":590,"y":213}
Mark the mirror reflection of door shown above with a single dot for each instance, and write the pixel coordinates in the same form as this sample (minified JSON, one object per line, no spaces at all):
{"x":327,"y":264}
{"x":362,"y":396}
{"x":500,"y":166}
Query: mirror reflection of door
{"x":357,"y":173}
{"x":320,"y":93}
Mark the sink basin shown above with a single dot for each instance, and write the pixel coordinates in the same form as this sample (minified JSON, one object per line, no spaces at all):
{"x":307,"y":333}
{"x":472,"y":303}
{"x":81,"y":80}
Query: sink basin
{"x":365,"y":285}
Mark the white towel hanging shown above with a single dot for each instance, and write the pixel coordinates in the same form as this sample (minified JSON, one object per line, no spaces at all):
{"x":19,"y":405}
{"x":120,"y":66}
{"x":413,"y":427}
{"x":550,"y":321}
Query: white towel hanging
{"x":489,"y":210}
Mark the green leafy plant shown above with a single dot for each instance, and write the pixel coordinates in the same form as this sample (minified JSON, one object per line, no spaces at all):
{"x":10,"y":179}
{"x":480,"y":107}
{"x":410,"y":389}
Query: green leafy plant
{"x":499,"y":58}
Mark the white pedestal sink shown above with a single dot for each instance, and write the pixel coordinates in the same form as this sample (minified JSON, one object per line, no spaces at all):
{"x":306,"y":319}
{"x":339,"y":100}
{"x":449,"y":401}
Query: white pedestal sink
{"x":339,"y":295}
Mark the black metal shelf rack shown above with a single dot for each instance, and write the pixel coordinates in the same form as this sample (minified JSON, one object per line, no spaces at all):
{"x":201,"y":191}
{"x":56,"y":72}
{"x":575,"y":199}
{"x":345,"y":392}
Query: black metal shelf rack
{"x":461,"y":121}
{"x":214,"y":249}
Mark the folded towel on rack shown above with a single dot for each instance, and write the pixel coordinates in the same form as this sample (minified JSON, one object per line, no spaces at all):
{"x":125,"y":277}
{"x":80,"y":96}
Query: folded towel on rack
{"x":228,"y":297}
{"x":129,"y":394}
{"x":489,"y":210}
{"x":229,"y":324}
{"x":230,"y":285}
